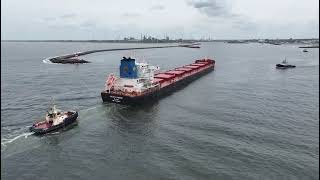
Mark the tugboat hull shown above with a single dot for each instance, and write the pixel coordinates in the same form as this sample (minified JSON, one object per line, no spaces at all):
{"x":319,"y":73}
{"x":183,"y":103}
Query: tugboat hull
{"x":45,"y":128}
{"x":281,"y":66}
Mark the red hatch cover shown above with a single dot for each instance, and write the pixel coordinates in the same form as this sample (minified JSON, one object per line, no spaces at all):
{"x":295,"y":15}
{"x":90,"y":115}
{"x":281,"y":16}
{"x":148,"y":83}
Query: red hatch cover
{"x":175,"y":72}
{"x":164,"y":76}
{"x":192,"y":67}
{"x":157,"y":80}
{"x":199,"y":64}
{"x":183,"y":69}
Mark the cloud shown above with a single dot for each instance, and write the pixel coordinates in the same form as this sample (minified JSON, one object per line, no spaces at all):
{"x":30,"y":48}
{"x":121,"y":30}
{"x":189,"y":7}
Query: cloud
{"x":88,"y":24}
{"x":130,"y":14}
{"x":204,"y":4}
{"x":59,"y":18}
{"x":195,"y":18}
{"x":49,"y":19}
{"x":243,"y":23}
{"x":157,"y":7}
{"x":211,"y":8}
{"x":67,"y":16}
{"x":218,"y":12}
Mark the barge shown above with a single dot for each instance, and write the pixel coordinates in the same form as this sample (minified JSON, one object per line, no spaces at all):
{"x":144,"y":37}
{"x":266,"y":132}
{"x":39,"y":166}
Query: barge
{"x":141,"y":83}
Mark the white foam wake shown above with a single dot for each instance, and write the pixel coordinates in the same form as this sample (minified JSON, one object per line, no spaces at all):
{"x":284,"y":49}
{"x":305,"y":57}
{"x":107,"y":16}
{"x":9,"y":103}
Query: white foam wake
{"x":47,"y":61}
{"x":8,"y":141}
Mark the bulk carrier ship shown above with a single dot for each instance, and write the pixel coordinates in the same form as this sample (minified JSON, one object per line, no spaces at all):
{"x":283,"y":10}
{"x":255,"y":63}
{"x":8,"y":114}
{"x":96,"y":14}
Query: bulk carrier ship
{"x":140,"y":82}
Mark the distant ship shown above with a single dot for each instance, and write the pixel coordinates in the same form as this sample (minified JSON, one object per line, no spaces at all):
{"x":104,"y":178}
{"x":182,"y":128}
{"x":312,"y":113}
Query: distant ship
{"x":305,"y":50}
{"x":193,"y":45}
{"x":284,"y":65}
{"x":140,"y":82}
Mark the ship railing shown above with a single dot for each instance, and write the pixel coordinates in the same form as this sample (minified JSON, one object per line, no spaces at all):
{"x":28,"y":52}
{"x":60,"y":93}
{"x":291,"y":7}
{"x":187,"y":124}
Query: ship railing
{"x":110,"y":82}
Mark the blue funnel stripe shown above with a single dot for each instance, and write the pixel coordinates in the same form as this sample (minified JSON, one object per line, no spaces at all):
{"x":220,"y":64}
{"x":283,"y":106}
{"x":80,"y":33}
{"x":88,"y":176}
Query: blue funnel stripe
{"x":128,"y":68}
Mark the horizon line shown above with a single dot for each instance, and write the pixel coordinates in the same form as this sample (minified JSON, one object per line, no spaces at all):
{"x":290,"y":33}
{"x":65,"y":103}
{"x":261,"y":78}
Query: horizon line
{"x":313,"y":38}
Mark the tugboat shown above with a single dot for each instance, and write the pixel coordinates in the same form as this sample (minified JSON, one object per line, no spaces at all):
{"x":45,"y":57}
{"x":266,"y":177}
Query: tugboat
{"x":55,"y":120}
{"x":284,"y":65}
{"x":305,"y":50}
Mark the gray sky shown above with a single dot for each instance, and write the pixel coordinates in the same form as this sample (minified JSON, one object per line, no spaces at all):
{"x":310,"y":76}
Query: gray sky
{"x":115,"y":19}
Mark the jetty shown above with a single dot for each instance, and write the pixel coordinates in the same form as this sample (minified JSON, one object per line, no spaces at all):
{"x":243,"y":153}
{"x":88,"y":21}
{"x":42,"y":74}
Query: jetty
{"x":73,"y":58}
{"x":68,"y":61}
{"x":311,"y":46}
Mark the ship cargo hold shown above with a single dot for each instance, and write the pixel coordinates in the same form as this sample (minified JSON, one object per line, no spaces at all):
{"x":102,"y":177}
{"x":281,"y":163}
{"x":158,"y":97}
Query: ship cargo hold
{"x":141,"y":83}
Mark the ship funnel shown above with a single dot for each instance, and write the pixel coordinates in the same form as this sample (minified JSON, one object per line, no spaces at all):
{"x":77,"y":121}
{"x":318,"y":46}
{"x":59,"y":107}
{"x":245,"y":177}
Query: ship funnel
{"x":128,"y":68}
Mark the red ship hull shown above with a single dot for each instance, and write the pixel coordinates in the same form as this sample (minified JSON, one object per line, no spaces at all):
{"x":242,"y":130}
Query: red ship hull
{"x":169,"y":81}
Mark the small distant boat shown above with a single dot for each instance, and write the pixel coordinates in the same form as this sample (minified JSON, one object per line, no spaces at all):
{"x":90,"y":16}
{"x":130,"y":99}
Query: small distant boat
{"x":284,"y":65}
{"x":305,"y":50}
{"x":193,"y":46}
{"x":55,"y":120}
{"x":189,"y":46}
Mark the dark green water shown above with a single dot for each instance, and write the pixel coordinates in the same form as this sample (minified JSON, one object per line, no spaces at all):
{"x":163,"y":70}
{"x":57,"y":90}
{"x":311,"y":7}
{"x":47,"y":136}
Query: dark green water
{"x":245,"y":120}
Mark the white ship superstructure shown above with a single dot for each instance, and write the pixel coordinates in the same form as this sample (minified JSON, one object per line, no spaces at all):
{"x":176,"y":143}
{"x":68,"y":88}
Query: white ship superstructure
{"x":134,"y":77}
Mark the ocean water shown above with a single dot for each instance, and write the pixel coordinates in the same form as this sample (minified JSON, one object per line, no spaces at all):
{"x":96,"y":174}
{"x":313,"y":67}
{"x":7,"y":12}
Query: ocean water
{"x":245,"y":120}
